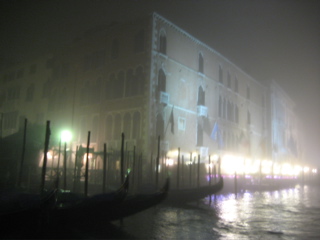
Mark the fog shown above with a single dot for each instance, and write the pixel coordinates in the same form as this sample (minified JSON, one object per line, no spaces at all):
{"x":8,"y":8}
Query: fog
{"x":267,"y":39}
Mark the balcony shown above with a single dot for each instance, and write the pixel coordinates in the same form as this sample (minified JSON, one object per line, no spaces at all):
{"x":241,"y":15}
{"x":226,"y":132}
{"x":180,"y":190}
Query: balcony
{"x":164,"y":97}
{"x":203,"y":151}
{"x":202,"y":111}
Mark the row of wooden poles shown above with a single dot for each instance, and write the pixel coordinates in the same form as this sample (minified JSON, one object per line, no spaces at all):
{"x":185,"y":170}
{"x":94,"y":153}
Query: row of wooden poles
{"x":122,"y":167}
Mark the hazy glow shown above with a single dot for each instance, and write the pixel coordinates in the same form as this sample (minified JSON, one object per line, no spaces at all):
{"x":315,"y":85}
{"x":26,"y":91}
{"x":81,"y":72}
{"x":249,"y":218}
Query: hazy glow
{"x":66,"y":136}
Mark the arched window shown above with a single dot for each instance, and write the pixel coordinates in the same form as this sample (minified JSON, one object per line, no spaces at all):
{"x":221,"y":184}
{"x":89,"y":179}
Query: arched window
{"x":117,"y":127}
{"x":140,"y":79}
{"x":163,"y":43}
{"x":161,"y":81}
{"x":220,"y":74}
{"x":136,"y":126}
{"x":200,"y":63}
{"x":94,"y":134}
{"x":109,"y":127}
{"x":201,"y":96}
{"x":110,"y":87}
{"x":229,"y":80}
{"x":220,"y":107}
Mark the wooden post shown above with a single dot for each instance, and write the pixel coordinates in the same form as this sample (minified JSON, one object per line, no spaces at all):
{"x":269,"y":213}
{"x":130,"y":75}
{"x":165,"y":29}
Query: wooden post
{"x":65,"y":167}
{"x":157,"y":162}
{"x":87,"y":167}
{"x":44,"y":166}
{"x":182,"y":170}
{"x":23,"y":152}
{"x":209,"y":171}
{"x":190,"y":169}
{"x":75,"y":169}
{"x":133,"y":165}
{"x":122,"y":159}
{"x":104,"y":168}
{"x":58,"y":165}
{"x":198,"y":174}
{"x":178,"y":166}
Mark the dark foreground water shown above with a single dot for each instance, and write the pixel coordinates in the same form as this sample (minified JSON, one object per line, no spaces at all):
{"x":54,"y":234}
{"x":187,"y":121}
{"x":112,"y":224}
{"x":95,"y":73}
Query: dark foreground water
{"x":285,"y":214}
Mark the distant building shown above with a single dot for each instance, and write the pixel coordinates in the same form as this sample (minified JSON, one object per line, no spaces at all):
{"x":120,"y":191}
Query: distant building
{"x":149,"y":78}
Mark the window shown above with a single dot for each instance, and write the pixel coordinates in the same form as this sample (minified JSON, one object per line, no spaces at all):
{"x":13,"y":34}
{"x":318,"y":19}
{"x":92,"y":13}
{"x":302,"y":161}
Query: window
{"x":139,"y":42}
{"x":161,"y":81}
{"x":117,"y":126}
{"x":220,"y":75}
{"x":229,"y":80}
{"x":200,"y":63}
{"x":30,"y":92}
{"x":140,"y":79}
{"x":136,"y":126}
{"x":115,"y":49}
{"x":95,"y":131}
{"x":127,"y":125}
{"x":109,"y":127}
{"x":182,"y":123}
{"x":14,"y":93}
{"x":236,"y":85}
{"x":201,"y":96}
{"x":163,"y":43}
{"x":220,"y":107}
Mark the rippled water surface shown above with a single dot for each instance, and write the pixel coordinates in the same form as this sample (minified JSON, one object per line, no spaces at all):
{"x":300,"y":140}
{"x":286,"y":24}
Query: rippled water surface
{"x":284,"y":214}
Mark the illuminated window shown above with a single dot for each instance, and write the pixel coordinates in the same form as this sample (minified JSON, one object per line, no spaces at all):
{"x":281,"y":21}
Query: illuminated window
{"x":139,"y":42}
{"x":163,"y":43}
{"x":220,"y":74}
{"x":115,"y":49}
{"x":200,"y":63}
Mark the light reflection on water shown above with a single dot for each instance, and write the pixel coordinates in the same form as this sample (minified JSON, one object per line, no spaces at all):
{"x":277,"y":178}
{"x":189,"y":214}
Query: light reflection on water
{"x":284,"y":214}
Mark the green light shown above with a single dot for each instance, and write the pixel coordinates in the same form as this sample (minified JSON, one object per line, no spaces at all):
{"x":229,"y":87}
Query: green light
{"x":66,"y":136}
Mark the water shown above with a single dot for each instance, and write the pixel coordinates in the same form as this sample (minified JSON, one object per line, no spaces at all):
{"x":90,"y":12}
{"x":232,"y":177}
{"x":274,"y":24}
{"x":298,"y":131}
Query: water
{"x":285,"y":214}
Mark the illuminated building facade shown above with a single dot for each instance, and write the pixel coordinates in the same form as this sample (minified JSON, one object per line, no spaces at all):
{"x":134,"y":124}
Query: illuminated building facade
{"x":146,"y":78}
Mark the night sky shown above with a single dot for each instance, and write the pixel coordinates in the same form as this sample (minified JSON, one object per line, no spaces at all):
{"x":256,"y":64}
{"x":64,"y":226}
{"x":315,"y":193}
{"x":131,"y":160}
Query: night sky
{"x":267,"y":39}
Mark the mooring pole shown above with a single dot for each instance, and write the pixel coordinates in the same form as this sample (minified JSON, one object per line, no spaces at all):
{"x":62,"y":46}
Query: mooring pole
{"x":87,"y":167}
{"x":178,"y":167}
{"x":44,"y":166}
{"x":157,"y":162}
{"x":122,"y":159}
{"x":65,"y":167}
{"x":104,"y":168}
{"x":23,"y":151}
{"x":198,"y":175}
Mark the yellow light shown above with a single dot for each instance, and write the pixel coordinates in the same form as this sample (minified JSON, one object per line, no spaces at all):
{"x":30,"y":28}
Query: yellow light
{"x":306,"y":169}
{"x":169,"y":162}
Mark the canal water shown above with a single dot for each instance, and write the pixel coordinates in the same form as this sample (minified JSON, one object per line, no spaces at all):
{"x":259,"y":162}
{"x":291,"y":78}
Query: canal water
{"x":292,"y":213}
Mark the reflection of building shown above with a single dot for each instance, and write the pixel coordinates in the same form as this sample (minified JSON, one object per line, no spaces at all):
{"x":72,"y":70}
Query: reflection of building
{"x":144,"y":78}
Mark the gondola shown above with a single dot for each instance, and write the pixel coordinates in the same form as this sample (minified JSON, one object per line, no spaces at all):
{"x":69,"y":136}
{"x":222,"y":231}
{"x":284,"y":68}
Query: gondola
{"x":95,"y":208}
{"x":181,"y":196}
{"x":25,"y":213}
